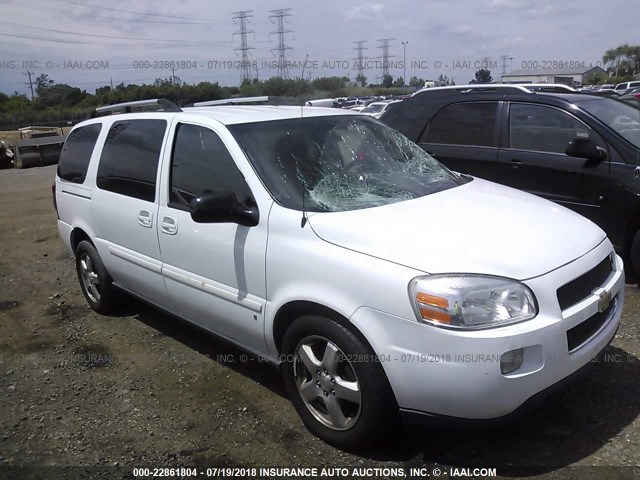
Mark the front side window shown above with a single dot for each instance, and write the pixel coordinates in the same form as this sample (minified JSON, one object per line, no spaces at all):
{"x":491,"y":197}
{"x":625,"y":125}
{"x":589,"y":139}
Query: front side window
{"x":76,"y":153}
{"x":202,"y":164}
{"x":337,"y":163}
{"x":623,"y":118}
{"x":463,"y":124}
{"x":544,"y":129}
{"x":129,"y":160}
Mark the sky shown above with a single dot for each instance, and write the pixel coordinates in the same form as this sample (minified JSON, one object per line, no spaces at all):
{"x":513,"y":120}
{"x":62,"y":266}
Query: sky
{"x":89,"y":44}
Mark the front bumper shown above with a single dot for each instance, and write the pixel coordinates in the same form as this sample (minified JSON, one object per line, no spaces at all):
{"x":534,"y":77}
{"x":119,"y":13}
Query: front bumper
{"x":457,"y":374}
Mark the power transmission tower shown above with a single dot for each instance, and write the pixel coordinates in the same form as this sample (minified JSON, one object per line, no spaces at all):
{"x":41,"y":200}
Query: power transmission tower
{"x":384,"y":46}
{"x":360,"y":48}
{"x":243,"y":18}
{"x":30,"y":83}
{"x":174,"y":80}
{"x":278,"y":18}
{"x":503,"y":59}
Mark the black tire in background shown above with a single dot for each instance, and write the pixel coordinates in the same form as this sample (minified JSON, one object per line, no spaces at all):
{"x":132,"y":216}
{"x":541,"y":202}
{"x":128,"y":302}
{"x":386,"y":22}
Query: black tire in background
{"x":377,"y":412}
{"x":95,"y":281}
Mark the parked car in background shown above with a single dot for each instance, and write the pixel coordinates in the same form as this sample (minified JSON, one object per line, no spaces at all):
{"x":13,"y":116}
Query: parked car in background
{"x":579,"y":150}
{"x":6,"y":156}
{"x":317,"y":242}
{"x":321,"y":102}
{"x":376,"y":109}
{"x":623,"y":88}
{"x":632,"y":97}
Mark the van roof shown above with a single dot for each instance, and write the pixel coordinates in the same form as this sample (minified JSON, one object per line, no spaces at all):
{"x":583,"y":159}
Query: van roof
{"x":236,"y":114}
{"x":230,"y":115}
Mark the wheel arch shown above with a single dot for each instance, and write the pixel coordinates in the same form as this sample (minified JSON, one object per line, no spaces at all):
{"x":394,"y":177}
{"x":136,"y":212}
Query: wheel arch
{"x":291,"y":311}
{"x":78,"y":234}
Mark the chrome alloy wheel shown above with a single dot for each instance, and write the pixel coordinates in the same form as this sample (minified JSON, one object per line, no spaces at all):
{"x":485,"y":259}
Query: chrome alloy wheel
{"x":90,"y":279}
{"x":327,"y":383}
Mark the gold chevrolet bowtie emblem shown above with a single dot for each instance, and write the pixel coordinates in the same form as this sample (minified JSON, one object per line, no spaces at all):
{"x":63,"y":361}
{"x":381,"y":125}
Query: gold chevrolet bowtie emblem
{"x":604,"y":298}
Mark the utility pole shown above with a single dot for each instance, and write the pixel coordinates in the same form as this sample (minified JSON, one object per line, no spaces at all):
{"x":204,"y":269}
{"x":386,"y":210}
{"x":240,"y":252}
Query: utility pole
{"x":111,"y":82}
{"x":384,"y":46}
{"x":360,"y":48}
{"x":30,"y":83}
{"x":404,"y":64}
{"x":278,"y":18}
{"x":242,"y":18}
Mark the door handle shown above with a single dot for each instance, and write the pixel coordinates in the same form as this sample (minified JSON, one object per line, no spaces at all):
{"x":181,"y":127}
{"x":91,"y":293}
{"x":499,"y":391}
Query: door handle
{"x":515,"y":163}
{"x":145,"y":218}
{"x":169,"y":225}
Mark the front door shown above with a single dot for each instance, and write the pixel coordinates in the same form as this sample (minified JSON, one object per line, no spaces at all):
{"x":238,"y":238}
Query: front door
{"x":536,"y":161}
{"x":214,"y":272}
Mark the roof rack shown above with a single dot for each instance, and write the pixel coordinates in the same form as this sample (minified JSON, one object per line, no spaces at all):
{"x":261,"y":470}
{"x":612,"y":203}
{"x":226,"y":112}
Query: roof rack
{"x":238,"y":101}
{"x":126,"y":107}
{"x":547,"y":87}
{"x":484,"y":87}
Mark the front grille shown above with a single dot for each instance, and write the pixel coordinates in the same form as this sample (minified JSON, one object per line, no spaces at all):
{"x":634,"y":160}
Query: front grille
{"x":585,"y":330}
{"x":580,"y":288}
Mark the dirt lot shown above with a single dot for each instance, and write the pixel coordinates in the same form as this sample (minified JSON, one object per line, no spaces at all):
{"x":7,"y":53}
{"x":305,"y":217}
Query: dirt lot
{"x":142,"y":388}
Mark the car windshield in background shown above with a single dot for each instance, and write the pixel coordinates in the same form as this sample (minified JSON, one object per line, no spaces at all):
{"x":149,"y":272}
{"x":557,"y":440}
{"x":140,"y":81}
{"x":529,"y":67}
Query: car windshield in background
{"x":621,"y":117}
{"x":339,"y":163}
{"x":376,"y":108}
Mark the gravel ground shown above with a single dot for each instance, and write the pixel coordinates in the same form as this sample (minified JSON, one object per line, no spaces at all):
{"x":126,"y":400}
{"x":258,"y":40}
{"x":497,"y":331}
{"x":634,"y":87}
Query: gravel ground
{"x":143,"y":389}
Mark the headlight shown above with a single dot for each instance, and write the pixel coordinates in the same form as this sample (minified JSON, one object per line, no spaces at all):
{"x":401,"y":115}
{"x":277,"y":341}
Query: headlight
{"x":471,"y":301}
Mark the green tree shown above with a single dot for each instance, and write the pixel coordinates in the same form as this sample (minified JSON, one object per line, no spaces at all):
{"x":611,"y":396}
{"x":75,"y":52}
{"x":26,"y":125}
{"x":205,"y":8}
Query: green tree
{"x":624,"y":60}
{"x":59,"y":96}
{"x":483,"y":76}
{"x":443,"y":80}
{"x":387,"y":81}
{"x":416,"y":82}
{"x":42,"y":83}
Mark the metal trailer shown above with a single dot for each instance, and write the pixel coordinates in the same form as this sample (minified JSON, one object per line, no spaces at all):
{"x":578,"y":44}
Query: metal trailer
{"x":38,"y":146}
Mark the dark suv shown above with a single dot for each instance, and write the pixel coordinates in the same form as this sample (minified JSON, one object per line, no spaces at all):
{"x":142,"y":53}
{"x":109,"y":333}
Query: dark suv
{"x":581,"y":151}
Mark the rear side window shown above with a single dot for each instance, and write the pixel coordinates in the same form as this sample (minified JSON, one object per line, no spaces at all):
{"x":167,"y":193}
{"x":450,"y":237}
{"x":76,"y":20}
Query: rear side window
{"x":76,"y":153}
{"x":463,"y":124}
{"x":202,"y":164}
{"x":129,"y":160}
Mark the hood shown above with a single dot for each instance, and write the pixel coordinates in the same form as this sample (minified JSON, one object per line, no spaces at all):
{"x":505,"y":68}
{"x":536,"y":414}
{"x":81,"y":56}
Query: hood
{"x":480,"y":227}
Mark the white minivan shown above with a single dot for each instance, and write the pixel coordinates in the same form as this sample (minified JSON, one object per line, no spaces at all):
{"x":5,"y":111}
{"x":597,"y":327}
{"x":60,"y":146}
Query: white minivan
{"x":382,"y":284}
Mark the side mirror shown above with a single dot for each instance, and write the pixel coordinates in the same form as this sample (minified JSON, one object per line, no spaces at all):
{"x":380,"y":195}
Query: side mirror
{"x":585,"y":148}
{"x":223,"y":207}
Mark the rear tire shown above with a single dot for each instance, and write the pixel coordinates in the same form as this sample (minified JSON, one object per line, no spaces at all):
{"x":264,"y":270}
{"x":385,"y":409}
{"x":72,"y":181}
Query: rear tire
{"x":336,"y":384}
{"x":95,"y":281}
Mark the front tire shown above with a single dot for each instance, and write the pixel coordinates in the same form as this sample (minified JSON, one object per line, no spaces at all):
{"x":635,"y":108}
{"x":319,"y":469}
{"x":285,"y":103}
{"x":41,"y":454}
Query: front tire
{"x":633,"y":273}
{"x":95,"y":281}
{"x":336,"y":384}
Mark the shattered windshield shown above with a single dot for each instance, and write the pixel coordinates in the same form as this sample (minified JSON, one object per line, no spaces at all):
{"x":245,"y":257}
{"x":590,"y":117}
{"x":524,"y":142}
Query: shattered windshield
{"x":338,"y":163}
